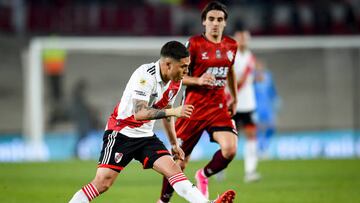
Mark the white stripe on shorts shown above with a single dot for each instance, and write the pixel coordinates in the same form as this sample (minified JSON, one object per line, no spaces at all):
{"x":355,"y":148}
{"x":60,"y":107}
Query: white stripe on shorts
{"x":108,"y":148}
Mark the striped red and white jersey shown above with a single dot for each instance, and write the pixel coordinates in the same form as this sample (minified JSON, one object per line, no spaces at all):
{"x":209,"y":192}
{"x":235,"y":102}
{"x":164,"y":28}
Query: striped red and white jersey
{"x":244,"y":67}
{"x":144,"y":84}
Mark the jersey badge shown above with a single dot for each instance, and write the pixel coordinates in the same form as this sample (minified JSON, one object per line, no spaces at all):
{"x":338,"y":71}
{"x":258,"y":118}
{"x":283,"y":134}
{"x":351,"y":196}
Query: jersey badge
{"x":142,"y":81}
{"x":218,"y":54}
{"x":118,"y":157}
{"x":230,"y":55}
{"x":204,"y":56}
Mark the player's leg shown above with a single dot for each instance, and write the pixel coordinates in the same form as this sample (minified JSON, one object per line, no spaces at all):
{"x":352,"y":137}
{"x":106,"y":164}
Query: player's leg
{"x":221,"y":130}
{"x":183,"y":187}
{"x":154,"y":155}
{"x":167,"y":167}
{"x":261,"y":137}
{"x":104,"y":178}
{"x":111,"y":162}
{"x":250,"y":149}
{"x":189,"y":132}
{"x":265,"y":131}
{"x":264,"y":135}
{"x":270,"y":129}
{"x":269,"y":133}
{"x":167,"y":190}
{"x":221,"y":159}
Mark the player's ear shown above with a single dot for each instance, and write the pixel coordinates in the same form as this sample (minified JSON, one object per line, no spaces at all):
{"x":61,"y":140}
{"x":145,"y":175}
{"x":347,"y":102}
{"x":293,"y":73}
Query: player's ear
{"x":168,"y":62}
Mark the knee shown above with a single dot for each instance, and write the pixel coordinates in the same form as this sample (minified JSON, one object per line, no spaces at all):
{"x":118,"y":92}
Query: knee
{"x":103,"y":183}
{"x":229,"y":152}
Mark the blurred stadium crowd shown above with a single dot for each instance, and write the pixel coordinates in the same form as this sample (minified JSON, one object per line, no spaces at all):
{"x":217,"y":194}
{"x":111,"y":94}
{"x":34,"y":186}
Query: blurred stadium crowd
{"x":176,"y":17}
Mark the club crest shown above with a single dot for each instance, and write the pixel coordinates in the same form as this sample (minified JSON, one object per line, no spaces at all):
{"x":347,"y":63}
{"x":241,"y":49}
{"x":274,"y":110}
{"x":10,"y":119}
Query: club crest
{"x":218,"y":54}
{"x":118,"y":157}
{"x":230,"y":55}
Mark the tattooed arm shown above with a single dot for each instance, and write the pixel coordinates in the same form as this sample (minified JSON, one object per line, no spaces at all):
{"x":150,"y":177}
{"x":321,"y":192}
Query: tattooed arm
{"x":142,"y":111}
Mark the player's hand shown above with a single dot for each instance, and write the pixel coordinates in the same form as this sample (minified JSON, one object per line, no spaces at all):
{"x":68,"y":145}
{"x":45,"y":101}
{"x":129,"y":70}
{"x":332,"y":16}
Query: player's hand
{"x":184,"y":111}
{"x":232,"y":108}
{"x":207,"y":79}
{"x":177,"y":152}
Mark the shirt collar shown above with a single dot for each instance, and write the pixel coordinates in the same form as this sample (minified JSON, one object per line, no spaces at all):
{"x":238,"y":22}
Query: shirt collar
{"x":157,"y":71}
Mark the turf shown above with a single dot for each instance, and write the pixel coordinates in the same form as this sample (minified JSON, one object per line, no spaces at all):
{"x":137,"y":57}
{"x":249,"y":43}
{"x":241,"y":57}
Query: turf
{"x":301,"y":181}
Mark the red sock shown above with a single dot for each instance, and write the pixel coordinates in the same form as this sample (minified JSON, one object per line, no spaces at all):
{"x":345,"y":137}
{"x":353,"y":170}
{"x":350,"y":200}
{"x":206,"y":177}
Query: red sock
{"x":217,"y":163}
{"x":166,"y":191}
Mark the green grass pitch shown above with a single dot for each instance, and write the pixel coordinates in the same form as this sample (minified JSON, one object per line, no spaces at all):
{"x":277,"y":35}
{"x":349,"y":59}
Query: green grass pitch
{"x":301,"y":181}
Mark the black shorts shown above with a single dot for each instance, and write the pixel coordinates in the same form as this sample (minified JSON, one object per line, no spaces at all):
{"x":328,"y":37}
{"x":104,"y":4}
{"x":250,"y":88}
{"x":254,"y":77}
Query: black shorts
{"x":244,"y":120}
{"x":118,"y":150}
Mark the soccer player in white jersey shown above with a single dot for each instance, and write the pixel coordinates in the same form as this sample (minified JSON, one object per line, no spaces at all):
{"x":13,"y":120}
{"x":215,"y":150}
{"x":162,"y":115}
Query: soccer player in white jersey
{"x":244,"y":67}
{"x":149,"y":95}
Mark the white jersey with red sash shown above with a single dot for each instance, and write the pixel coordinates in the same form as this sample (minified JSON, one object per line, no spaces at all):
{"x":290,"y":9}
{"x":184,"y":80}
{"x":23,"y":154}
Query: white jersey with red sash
{"x":244,"y":67}
{"x":144,"y":84}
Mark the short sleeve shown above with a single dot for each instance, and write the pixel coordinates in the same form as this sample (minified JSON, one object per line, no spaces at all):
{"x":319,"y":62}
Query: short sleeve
{"x":142,"y":85}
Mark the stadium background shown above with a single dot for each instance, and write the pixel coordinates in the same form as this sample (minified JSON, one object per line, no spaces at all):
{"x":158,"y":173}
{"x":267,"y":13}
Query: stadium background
{"x":319,"y":87}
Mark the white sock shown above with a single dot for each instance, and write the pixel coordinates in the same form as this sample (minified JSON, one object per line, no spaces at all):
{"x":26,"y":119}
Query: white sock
{"x":250,"y":156}
{"x":79,"y":197}
{"x":85,"y":195}
{"x":186,"y":189}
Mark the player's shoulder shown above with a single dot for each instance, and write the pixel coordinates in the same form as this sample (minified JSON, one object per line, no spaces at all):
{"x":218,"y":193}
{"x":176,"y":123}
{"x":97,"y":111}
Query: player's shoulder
{"x":229,"y":40}
{"x":147,"y":69}
{"x":145,"y":72}
{"x":196,"y":38}
{"x":143,"y":76}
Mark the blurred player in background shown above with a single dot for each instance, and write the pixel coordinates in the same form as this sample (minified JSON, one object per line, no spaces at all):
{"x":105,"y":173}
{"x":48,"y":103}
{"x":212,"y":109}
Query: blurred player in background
{"x":84,"y":115}
{"x":244,"y":67}
{"x":212,"y":56}
{"x":54,"y":65}
{"x":268,"y":103}
{"x":149,"y":95}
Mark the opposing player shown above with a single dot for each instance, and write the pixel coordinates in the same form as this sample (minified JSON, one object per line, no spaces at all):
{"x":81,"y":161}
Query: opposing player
{"x":129,"y":135}
{"x":244,"y":67}
{"x":212,"y":56}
